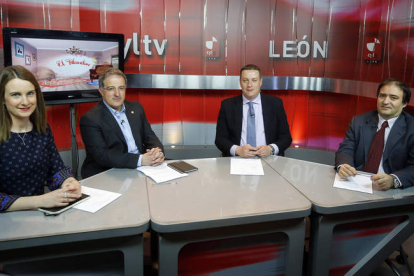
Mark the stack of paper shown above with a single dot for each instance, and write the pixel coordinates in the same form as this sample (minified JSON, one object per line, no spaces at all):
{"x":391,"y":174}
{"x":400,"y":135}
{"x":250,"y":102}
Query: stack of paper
{"x":161,"y":173}
{"x":98,"y":199}
{"x":359,"y":183}
{"x":246,"y":166}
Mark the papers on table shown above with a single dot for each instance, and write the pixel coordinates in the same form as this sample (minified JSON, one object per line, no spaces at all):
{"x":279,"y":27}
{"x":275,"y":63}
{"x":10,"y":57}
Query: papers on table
{"x":98,"y":199}
{"x":359,"y":183}
{"x":161,"y":173}
{"x":244,"y":166}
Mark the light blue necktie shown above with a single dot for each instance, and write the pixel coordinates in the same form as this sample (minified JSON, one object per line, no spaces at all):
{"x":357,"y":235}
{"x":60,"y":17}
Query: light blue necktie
{"x":251,"y":129}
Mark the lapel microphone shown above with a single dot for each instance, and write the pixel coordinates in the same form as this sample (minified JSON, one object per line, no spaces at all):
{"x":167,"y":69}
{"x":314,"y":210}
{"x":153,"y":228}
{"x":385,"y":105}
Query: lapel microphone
{"x":122,"y":122}
{"x":252,"y":114}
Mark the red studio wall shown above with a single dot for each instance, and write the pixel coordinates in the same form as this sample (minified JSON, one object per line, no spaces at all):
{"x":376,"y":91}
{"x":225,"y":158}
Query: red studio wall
{"x":360,"y":41}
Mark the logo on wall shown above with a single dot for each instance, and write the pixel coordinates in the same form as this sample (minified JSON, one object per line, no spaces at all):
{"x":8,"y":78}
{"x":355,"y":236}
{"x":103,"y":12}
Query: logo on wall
{"x":302,"y":49}
{"x":148,"y":48}
{"x":373,"y":50}
{"x":212,"y":49}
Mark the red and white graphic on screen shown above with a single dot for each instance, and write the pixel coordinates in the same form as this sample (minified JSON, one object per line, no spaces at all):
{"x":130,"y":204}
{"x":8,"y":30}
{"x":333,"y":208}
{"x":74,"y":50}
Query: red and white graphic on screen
{"x":373,"y":49}
{"x":212,"y":49}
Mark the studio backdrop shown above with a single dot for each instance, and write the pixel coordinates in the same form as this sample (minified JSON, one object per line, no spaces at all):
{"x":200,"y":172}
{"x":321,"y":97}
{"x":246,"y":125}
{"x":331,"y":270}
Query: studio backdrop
{"x":325,"y":59}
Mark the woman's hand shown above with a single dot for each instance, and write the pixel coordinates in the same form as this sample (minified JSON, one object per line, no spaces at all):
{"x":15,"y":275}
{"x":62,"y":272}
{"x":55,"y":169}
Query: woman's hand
{"x":72,"y":188}
{"x":68,"y":192}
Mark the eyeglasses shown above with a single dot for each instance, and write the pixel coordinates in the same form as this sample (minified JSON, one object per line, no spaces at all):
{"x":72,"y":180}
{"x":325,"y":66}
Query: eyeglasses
{"x":113,"y":89}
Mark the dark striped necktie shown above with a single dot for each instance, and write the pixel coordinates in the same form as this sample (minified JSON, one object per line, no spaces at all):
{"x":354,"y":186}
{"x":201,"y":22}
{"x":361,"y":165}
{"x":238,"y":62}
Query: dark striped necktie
{"x":376,"y":150}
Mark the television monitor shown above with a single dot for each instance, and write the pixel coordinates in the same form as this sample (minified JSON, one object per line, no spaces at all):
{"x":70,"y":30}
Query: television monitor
{"x":66,"y":64}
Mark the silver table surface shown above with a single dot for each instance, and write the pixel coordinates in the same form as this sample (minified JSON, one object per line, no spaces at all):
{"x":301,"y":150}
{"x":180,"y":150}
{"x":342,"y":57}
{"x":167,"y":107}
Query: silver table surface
{"x":316,"y":181}
{"x":130,"y":210}
{"x":212,"y":197}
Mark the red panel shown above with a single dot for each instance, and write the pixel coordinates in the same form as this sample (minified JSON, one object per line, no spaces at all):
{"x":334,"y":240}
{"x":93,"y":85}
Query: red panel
{"x":220,"y":256}
{"x":257,"y":38}
{"x":173,"y":106}
{"x":191,"y":37}
{"x":342,"y":44}
{"x":325,"y":116}
{"x":296,"y":106}
{"x":153,"y":102}
{"x":213,"y":101}
{"x":172,"y":34}
{"x":193,"y":106}
{"x":90,"y":20}
{"x":60,"y":17}
{"x":153,"y":13}
{"x":364,"y":105}
{"x":58,"y":119}
{"x":235,"y":38}
{"x":25,"y":15}
{"x":127,"y":22}
{"x":191,"y":263}
{"x":80,"y":109}
{"x":215,"y":36}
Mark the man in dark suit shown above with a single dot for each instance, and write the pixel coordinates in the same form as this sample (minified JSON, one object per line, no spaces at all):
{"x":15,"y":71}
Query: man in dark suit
{"x":395,"y":162}
{"x":116,"y":132}
{"x":252,"y":123}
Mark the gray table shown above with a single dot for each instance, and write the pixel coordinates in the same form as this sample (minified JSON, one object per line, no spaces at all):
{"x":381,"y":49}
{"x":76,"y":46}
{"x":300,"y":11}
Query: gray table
{"x":29,"y":235}
{"x":210,"y":205}
{"x":382,"y":220}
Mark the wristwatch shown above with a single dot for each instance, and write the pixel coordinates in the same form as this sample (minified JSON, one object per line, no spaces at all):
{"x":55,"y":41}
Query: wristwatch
{"x":397,"y":183}
{"x":273,"y":150}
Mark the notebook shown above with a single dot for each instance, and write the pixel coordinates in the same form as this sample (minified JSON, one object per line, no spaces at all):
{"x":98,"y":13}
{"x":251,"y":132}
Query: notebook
{"x":182,"y":167}
{"x":58,"y":210}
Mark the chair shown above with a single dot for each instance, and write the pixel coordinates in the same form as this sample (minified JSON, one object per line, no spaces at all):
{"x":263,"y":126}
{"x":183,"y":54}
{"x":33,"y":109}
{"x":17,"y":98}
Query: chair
{"x":401,"y":259}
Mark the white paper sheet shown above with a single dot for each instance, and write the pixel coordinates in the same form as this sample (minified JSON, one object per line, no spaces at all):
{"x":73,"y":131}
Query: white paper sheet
{"x":161,"y":173}
{"x":245,"y":166}
{"x":98,"y":199}
{"x":359,"y":183}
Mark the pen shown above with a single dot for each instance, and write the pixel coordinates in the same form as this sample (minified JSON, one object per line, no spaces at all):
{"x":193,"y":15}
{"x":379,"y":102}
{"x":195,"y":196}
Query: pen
{"x":401,"y":195}
{"x":364,"y":173}
{"x":166,"y":183}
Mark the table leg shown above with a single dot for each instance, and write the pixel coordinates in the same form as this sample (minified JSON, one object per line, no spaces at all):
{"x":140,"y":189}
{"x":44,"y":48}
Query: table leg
{"x":134,"y":256}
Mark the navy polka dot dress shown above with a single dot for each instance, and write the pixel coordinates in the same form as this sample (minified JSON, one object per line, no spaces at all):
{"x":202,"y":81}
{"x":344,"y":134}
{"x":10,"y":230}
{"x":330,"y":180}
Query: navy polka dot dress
{"x":28,"y":161}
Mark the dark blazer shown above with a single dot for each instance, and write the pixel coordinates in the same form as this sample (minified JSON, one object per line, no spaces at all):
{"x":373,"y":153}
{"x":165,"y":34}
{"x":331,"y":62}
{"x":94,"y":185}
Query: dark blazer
{"x":230,"y":119}
{"x":104,"y":141}
{"x":398,"y":156}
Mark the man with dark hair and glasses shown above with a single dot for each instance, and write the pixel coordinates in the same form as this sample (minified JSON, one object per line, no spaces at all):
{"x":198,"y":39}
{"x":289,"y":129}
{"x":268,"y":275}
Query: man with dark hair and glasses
{"x":116,"y":132}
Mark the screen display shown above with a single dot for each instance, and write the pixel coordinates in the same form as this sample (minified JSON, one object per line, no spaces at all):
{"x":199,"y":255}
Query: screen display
{"x":67,"y":65}
{"x":62,"y":65}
